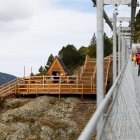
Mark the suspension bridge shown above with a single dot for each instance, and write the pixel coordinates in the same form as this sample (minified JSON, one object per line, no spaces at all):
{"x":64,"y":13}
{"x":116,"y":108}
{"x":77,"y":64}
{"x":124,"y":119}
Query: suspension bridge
{"x":118,"y":112}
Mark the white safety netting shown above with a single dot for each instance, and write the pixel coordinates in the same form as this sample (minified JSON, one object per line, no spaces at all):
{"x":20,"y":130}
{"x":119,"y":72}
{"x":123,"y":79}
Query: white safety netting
{"x":118,"y":2}
{"x":123,"y":121}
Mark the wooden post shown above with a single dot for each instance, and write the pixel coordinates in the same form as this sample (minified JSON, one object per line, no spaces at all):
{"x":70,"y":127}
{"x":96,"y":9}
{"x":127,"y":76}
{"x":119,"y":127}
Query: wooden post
{"x":9,"y":89}
{"x":60,"y":78}
{"x":82,"y":92}
{"x":36,"y":90}
{"x":59,"y":87}
{"x":18,"y":88}
{"x":15,"y":88}
{"x":28,"y":88}
{"x":43,"y":79}
{"x":48,"y":88}
{"x":43,"y":82}
{"x":77,"y":83}
{"x":30,"y":80}
{"x":71,"y":87}
{"x":91,"y":84}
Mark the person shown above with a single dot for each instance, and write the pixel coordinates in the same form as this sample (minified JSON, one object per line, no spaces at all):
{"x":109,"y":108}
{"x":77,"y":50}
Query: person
{"x":134,"y":59}
{"x":138,"y":60}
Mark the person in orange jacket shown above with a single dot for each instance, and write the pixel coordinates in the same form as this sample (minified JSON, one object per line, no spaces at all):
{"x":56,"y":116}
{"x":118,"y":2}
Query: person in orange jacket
{"x":138,"y":62}
{"x":134,"y":59}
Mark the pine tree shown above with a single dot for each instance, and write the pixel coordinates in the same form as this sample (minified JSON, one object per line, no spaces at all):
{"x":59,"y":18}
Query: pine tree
{"x":49,"y":62}
{"x":41,"y":69}
{"x":69,"y":55}
{"x":93,"y":40}
{"x":107,"y":45}
{"x":136,"y":36}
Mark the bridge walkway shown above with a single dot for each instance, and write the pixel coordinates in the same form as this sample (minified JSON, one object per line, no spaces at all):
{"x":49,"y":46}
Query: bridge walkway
{"x":137,"y":84}
{"x":123,"y":121}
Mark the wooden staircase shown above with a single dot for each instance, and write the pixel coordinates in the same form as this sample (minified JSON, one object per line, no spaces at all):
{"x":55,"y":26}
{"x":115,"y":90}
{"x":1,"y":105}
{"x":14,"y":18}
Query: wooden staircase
{"x":9,"y":88}
{"x":88,"y":73}
{"x":107,"y":65}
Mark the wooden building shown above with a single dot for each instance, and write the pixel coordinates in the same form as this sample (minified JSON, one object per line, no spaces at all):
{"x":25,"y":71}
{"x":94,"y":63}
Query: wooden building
{"x":57,"y":68}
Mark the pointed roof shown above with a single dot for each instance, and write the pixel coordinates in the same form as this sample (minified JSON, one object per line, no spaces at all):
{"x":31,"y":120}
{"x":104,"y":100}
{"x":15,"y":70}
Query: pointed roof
{"x":57,"y":65}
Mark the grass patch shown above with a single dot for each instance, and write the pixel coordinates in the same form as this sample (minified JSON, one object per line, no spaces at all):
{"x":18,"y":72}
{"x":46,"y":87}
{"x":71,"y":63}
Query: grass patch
{"x":55,"y":125}
{"x":73,"y":135}
{"x":2,"y":101}
{"x":24,"y":120}
{"x":52,"y":101}
{"x":33,"y":137}
{"x":10,"y":130}
{"x":16,"y":104}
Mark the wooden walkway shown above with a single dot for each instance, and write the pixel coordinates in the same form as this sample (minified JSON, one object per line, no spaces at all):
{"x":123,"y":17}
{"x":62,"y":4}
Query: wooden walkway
{"x":83,"y":83}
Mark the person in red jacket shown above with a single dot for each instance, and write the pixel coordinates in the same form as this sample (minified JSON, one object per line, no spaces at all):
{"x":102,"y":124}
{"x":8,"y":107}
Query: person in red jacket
{"x":138,"y":62}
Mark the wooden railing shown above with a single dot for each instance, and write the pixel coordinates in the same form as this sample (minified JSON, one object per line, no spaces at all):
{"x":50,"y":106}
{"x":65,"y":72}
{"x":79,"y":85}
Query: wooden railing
{"x":9,"y":88}
{"x":55,"y":89}
{"x":51,"y":79}
{"x":56,"y":85}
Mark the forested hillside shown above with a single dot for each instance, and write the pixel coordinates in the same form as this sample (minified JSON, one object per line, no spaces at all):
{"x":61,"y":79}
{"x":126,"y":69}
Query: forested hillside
{"x":4,"y":78}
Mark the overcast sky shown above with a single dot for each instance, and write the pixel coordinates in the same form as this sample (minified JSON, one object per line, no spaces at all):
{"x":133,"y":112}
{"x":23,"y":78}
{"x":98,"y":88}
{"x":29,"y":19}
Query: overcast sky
{"x":30,"y":30}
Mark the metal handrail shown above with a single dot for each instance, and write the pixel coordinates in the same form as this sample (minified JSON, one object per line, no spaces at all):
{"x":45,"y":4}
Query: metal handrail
{"x":91,"y":125}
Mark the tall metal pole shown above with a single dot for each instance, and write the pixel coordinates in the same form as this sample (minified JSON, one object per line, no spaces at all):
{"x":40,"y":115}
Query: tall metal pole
{"x":114,"y":45}
{"x":125,"y":49}
{"x":31,"y":74}
{"x":119,"y":50}
{"x":122,"y":38}
{"x":122,"y":50}
{"x":24,"y":72}
{"x":100,"y":61}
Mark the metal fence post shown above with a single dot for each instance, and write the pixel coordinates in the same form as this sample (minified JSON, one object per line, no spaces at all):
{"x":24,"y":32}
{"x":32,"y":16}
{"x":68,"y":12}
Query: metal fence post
{"x":122,"y":38}
{"x":114,"y":45}
{"x":125,"y":49}
{"x":121,"y":48}
{"x":100,"y":62}
{"x":119,"y":43}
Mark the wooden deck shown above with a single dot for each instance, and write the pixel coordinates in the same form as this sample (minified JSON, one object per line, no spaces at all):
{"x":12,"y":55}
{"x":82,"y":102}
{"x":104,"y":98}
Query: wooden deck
{"x":82,"y":83}
{"x":56,"y":85}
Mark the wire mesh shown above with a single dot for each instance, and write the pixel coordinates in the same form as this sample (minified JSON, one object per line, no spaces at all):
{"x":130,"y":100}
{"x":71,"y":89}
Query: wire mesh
{"x":123,"y":120}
